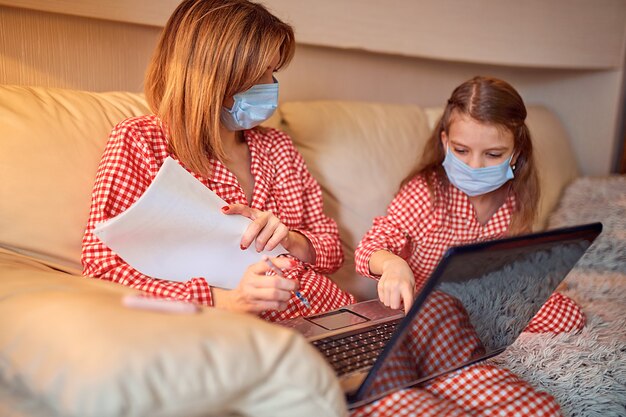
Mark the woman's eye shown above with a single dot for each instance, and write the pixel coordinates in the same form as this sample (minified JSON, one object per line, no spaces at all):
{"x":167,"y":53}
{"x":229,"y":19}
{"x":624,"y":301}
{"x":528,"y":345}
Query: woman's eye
{"x":494,"y":155}
{"x":460,"y":151}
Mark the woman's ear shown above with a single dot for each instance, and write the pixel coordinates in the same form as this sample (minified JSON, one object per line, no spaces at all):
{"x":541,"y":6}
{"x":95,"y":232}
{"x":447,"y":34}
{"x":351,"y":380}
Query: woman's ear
{"x":228,"y":102}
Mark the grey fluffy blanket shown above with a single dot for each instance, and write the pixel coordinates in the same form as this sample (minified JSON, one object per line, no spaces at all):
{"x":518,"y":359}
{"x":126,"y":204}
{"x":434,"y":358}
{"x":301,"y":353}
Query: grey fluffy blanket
{"x":585,"y":371}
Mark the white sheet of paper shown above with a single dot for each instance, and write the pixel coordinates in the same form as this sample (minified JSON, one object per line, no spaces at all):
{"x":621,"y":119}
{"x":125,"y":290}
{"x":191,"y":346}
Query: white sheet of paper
{"x":176,"y":231}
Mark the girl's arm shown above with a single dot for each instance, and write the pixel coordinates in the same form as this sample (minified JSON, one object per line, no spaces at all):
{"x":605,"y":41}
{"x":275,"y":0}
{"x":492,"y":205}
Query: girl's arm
{"x":383,"y":252}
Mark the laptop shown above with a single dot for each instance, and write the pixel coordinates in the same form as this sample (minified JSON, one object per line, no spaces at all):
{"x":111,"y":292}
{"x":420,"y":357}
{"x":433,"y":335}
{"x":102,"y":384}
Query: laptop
{"x":500,"y":283}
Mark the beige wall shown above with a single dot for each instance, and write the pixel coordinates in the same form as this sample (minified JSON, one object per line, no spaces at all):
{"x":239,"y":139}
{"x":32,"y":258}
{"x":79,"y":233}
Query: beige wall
{"x":586,"y":101}
{"x":38,"y":48}
{"x":68,"y":51}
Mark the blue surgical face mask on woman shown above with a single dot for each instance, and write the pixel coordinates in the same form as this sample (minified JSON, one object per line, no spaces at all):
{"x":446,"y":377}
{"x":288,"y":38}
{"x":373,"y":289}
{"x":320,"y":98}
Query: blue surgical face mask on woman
{"x":476,"y":181}
{"x":251,"y":107}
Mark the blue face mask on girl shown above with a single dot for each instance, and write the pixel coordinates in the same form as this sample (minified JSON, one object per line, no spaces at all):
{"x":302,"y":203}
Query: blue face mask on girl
{"x":251,"y":107}
{"x":476,"y":181}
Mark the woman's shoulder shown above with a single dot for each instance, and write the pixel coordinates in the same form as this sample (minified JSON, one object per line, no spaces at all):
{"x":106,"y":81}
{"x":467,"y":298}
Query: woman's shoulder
{"x":147,"y":121}
{"x":146,"y":129}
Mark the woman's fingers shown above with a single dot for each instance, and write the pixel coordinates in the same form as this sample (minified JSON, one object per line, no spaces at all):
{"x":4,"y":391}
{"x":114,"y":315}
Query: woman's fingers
{"x":265,"y":230}
{"x":265,"y":234}
{"x":252,"y":231}
{"x":258,"y":218}
{"x":260,"y":306}
{"x":279,"y":235}
{"x":241,"y":209}
{"x":258,"y":279}
{"x":270,"y":294}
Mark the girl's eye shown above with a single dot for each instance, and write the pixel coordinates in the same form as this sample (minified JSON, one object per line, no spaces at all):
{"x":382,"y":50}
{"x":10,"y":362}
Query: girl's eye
{"x":494,"y":155}
{"x":460,"y":151}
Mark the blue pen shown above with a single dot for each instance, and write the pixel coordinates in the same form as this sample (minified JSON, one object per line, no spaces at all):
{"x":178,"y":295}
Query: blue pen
{"x":274,"y":268}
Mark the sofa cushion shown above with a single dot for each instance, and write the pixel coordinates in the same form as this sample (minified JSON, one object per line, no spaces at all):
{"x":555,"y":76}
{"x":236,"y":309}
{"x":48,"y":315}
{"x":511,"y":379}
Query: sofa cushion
{"x":52,"y":141}
{"x":556,"y":161}
{"x":69,"y":343}
{"x":359,"y":152}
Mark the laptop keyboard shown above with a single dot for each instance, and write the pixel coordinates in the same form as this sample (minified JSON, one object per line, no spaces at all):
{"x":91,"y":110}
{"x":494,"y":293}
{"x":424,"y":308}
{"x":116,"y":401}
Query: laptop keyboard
{"x":356,"y":350}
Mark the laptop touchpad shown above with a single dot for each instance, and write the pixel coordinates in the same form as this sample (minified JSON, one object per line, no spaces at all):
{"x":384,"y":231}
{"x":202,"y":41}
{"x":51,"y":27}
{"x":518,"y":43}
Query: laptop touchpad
{"x":337,"y":319}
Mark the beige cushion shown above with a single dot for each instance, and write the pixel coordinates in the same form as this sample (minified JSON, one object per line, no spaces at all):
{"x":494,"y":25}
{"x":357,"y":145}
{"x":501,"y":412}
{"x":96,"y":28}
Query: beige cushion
{"x":555,"y":159}
{"x":359,"y":152}
{"x":69,"y":343}
{"x":51,"y":141}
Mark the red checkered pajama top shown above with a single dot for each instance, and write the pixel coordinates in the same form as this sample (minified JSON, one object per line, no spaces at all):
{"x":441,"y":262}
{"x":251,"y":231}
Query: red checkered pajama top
{"x":420,"y":232}
{"x":133,"y":155}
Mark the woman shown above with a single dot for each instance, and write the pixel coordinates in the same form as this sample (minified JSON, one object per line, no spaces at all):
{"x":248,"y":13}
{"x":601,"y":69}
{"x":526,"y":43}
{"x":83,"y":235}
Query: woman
{"x":210,"y":83}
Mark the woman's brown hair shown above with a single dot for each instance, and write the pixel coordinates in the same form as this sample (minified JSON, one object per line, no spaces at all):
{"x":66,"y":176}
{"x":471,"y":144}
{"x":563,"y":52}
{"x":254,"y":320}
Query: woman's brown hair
{"x":210,"y":50}
{"x":495,"y":102}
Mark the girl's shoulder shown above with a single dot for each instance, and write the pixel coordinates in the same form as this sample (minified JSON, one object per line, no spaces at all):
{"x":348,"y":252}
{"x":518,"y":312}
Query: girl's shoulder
{"x":422,"y":189}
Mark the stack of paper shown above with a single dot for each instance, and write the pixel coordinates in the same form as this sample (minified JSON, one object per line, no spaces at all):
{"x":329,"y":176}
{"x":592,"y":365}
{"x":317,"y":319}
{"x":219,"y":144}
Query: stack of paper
{"x":177,"y":231}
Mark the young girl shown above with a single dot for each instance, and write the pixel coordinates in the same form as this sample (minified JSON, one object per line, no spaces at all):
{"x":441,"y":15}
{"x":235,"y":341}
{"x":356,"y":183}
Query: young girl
{"x":476,"y":181}
{"x":210,"y":84}
{"x":476,"y":167}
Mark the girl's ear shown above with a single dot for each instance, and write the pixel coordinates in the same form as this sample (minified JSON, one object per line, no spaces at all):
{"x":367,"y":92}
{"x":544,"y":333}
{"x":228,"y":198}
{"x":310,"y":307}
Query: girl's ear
{"x":444,"y":139}
{"x":514,"y":158}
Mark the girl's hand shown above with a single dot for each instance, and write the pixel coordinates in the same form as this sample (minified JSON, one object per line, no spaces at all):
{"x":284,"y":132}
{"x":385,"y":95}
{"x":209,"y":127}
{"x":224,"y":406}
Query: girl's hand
{"x":256,"y":291}
{"x":397,"y":284}
{"x":266,"y":230}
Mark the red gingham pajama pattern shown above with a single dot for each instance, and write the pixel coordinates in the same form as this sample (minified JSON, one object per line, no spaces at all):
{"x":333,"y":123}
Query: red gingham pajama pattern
{"x":478,"y":390}
{"x":441,"y":337}
{"x":133,"y":155}
{"x":420,"y":232}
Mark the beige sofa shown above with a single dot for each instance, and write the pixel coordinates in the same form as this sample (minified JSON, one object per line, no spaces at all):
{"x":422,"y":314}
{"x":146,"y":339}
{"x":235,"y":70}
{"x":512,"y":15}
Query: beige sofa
{"x":67,"y":345}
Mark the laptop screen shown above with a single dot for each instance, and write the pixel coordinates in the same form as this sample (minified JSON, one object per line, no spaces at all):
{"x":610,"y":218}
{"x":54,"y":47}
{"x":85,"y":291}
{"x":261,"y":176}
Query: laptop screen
{"x":475,"y":304}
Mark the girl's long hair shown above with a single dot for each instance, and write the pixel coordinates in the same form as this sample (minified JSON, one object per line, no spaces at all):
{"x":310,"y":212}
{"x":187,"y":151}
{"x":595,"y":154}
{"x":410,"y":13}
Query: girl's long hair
{"x":210,"y":50}
{"x":495,"y":102}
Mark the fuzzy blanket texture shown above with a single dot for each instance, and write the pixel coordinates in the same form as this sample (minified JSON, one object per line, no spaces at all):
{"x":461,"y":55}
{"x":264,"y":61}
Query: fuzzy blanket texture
{"x":585,"y":371}
{"x":502,"y":302}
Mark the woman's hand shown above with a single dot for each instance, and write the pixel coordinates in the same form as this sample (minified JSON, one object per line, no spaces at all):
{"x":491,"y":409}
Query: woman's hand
{"x":267,"y":231}
{"x":396,"y":286}
{"x":256,"y":291}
